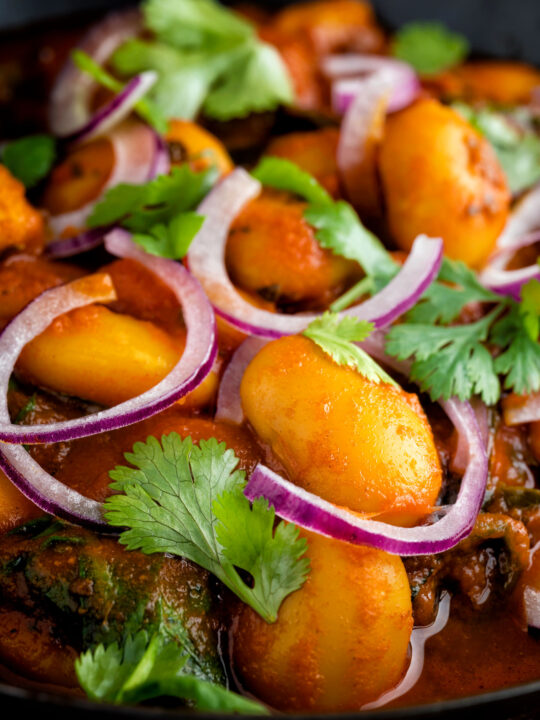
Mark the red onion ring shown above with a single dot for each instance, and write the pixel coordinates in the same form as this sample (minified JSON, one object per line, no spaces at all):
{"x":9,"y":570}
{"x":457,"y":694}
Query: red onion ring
{"x":509,"y":282}
{"x":360,"y":135}
{"x":311,"y":512}
{"x":116,"y":110}
{"x":519,"y":232}
{"x":137,"y":155}
{"x":206,"y":259}
{"x":526,"y":412}
{"x":24,"y":472}
{"x":459,"y":462}
{"x":349,"y":72}
{"x":69,"y":247}
{"x":419,"y":637}
{"x":228,"y":406}
{"x":194,"y":365}
{"x":70,"y":103}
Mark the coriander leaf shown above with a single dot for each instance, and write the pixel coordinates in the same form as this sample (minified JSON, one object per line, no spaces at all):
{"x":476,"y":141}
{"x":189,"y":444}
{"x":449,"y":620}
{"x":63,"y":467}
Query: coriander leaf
{"x":178,"y":499}
{"x":195,"y":24}
{"x":448,"y":361}
{"x":285,"y":175}
{"x":140,"y":207}
{"x":530,"y":308}
{"x":145,"y":108}
{"x":144,"y":668}
{"x":173,"y":240}
{"x":184,"y":80}
{"x":255,"y":82}
{"x":456,"y":286}
{"x":517,"y":335}
{"x":340,"y":230}
{"x":429,"y":47}
{"x":30,"y":159}
{"x":206,"y":57}
{"x":337,"y":336}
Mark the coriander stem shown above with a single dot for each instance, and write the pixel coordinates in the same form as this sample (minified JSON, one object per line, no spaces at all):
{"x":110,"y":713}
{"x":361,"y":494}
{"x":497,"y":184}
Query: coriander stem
{"x":365,"y":285}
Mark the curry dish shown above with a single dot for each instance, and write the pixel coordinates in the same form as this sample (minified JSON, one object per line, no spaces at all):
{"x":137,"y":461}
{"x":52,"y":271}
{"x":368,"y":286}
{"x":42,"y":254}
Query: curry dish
{"x":269,"y":361}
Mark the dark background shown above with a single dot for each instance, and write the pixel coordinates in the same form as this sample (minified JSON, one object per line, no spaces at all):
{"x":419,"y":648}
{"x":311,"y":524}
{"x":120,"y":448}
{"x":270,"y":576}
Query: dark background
{"x":506,"y":28}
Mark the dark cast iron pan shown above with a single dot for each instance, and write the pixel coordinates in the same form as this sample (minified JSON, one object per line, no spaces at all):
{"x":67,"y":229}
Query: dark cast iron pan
{"x":496,"y":28}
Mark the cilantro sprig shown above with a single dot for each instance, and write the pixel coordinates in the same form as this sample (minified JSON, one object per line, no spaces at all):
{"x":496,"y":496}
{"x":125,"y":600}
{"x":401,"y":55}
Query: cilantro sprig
{"x":337,"y":337}
{"x":337,"y":226}
{"x":145,"y":667}
{"x":429,"y":47}
{"x":516,"y":145}
{"x":464,"y":360}
{"x":208,"y":59}
{"x":30,"y":159}
{"x":188,"y":500}
{"x":159,"y":213}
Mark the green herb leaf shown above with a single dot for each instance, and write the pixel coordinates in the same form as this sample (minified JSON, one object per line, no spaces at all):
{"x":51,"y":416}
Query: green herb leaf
{"x":285,"y":175}
{"x":517,"y":149}
{"x":150,"y":667}
{"x":195,"y":24}
{"x":456,"y":286}
{"x":188,"y":500}
{"x":429,"y":47}
{"x":256,"y":81}
{"x":207,"y":57}
{"x":448,"y":361}
{"x":517,"y":333}
{"x":145,"y":108}
{"x":159,"y":212}
{"x":337,"y":336}
{"x":173,"y":240}
{"x":30,"y":159}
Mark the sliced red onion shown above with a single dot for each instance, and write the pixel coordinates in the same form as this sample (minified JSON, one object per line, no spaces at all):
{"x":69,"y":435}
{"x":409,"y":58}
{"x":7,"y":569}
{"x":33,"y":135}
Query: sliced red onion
{"x":206,"y":260}
{"x":229,"y":406}
{"x":509,"y":282}
{"x":135,"y":149}
{"x":24,"y":472}
{"x":194,"y":365}
{"x":311,"y":512}
{"x":419,"y":637}
{"x":524,"y":219}
{"x":361,"y":132}
{"x":481,"y":412}
{"x":527,"y":411}
{"x":116,"y":110}
{"x":70,"y":104}
{"x":349,"y":74}
{"x":83,"y":242}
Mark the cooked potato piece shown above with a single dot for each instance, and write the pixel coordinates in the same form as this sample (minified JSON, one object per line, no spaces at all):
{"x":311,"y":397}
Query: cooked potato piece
{"x":507,"y":83}
{"x":189,"y":142}
{"x":339,"y":641}
{"x":364,"y":446}
{"x":314,"y":152}
{"x":272,"y":250}
{"x":80,"y":178}
{"x":305,"y":32}
{"x":21,"y":225}
{"x":105,"y":357}
{"x":332,"y":25}
{"x":441,"y":178}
